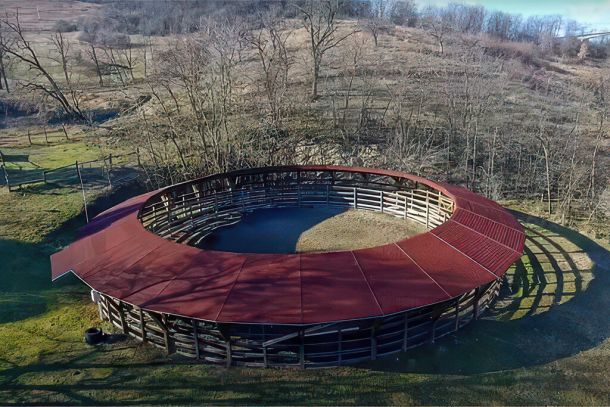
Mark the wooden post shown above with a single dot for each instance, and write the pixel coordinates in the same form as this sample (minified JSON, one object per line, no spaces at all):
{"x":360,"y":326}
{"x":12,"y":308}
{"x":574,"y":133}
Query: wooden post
{"x":44,"y":177}
{"x":82,"y":186}
{"x":427,"y":210}
{"x":301,"y":349}
{"x":228,"y":352}
{"x":122,"y":316}
{"x":476,"y":303}
{"x":340,"y":347}
{"x":46,"y":136}
{"x":142,"y":325}
{"x":108,"y":174}
{"x":457,"y":314}
{"x":4,"y":170}
{"x":405,"y":335}
{"x":29,"y":137}
{"x":99,"y":308}
{"x":108,"y":312}
{"x":196,"y":336}
{"x":355,"y":198}
{"x":373,"y":343}
{"x":381,"y":201}
{"x":265,"y":360}
{"x":63,"y":126}
{"x":165,"y":333}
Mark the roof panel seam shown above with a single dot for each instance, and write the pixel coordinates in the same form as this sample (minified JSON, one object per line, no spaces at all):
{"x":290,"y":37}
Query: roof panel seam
{"x":464,"y":254}
{"x":367,"y":283}
{"x":423,"y":271}
{"x":232,"y":287}
{"x":129,"y":265}
{"x":490,"y":219}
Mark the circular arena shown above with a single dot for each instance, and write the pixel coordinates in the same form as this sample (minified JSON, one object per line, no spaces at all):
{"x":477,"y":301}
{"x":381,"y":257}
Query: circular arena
{"x":304,"y":310}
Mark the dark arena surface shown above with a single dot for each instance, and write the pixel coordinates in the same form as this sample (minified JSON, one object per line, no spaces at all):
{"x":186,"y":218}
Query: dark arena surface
{"x":270,"y":306}
{"x":268,"y":230}
{"x":308,"y":229}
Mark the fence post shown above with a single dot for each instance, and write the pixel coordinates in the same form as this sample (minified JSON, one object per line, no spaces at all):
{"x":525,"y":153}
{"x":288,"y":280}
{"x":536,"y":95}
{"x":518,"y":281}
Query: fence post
{"x":6,"y":177}
{"x":46,"y":136}
{"x":2,"y":163}
{"x":82,"y":186}
{"x":29,"y":137}
{"x":63,"y":126}
{"x":108,"y":173}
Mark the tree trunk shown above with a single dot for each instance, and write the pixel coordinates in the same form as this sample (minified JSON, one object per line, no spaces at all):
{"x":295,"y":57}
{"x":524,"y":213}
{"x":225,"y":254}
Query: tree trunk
{"x":548,"y":178}
{"x":97,"y":65}
{"x":314,"y":83}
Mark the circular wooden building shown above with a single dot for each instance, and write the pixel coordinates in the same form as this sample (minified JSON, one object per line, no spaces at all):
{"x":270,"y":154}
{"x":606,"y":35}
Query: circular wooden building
{"x":297,"y":309}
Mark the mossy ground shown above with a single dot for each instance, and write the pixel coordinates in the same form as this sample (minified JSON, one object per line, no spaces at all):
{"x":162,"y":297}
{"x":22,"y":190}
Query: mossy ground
{"x":544,"y":342}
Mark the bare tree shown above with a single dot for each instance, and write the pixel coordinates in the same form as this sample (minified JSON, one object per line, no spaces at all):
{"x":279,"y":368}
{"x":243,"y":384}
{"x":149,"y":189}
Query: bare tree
{"x":63,"y":50}
{"x":270,"y":46}
{"x":3,"y":67}
{"x":436,"y":22}
{"x":376,"y":26}
{"x":91,"y":51}
{"x":319,"y":20}
{"x":21,"y":49}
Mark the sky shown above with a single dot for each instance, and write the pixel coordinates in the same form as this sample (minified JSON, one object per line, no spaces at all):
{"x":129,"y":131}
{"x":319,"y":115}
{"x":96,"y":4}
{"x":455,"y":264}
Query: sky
{"x":594,"y":13}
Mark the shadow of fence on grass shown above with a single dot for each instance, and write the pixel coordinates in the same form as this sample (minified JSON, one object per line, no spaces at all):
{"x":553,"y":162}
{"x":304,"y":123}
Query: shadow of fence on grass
{"x":554,"y":304}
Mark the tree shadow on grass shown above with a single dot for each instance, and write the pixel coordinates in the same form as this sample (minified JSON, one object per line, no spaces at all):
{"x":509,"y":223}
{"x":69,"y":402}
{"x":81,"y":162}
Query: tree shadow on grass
{"x":554,"y":304}
{"x":25,"y":278}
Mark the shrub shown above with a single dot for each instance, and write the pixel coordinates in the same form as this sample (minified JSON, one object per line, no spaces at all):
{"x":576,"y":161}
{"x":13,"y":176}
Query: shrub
{"x":524,"y":51}
{"x":63,"y":26}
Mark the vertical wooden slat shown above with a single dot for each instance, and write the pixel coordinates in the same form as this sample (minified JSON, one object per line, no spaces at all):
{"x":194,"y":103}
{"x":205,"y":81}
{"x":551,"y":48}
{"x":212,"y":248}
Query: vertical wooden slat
{"x":301,"y":349}
{"x":196,"y":337}
{"x":405,"y":336}
{"x":229,"y":357}
{"x":457,"y":314}
{"x":476,"y":303}
{"x":265,"y":359}
{"x":122,"y":317}
{"x":340,"y":347}
{"x":373,"y":343}
{"x":142,"y":325}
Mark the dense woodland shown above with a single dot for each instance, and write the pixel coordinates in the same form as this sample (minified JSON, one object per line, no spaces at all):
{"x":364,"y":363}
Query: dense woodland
{"x":511,"y":107}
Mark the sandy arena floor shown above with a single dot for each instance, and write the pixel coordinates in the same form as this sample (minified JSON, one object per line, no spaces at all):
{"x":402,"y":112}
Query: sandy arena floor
{"x":290,"y":230}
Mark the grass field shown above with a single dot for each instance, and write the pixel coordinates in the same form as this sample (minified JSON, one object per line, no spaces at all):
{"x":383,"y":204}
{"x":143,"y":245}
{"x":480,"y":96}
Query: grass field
{"x":546,"y":341}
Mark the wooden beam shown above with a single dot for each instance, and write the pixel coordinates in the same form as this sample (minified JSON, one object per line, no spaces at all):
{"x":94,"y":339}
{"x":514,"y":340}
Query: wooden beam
{"x":373,"y":343}
{"x":229,"y":357}
{"x":405,"y":335}
{"x":457,"y":314}
{"x":340,"y":347}
{"x":196,"y":337}
{"x":142,"y":325}
{"x":122,"y":316}
{"x":476,"y":303}
{"x":301,"y":349}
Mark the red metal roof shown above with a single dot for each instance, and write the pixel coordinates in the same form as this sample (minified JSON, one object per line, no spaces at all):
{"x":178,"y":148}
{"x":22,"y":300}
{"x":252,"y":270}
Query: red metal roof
{"x":116,"y":255}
